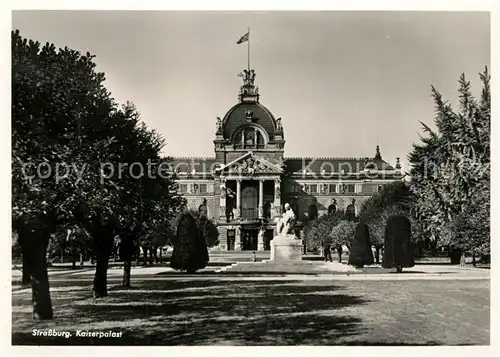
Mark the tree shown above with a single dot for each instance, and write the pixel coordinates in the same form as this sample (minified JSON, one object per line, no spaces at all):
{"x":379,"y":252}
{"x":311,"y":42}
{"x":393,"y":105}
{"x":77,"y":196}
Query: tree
{"x":394,"y":198}
{"x":398,"y":250}
{"x":317,"y":233}
{"x":342,"y":235}
{"x":190,"y":249}
{"x":65,"y":121}
{"x":451,"y":168}
{"x":361,"y":248}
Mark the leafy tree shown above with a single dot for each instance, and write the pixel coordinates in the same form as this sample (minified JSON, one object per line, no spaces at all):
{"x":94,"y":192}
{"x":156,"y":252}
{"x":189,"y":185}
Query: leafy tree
{"x":451,"y":170}
{"x":63,"y":118}
{"x":342,"y":235}
{"x":317,"y":234}
{"x":361,"y":248}
{"x":190,"y":249}
{"x":398,"y":250}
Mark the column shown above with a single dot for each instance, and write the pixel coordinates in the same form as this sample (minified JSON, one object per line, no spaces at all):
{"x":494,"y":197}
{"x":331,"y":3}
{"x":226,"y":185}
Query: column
{"x":238,"y":199}
{"x":255,"y":138}
{"x":260,"y":240}
{"x":261,"y":199}
{"x":277,"y":198}
{"x":237,"y":239}
{"x":223,"y":191}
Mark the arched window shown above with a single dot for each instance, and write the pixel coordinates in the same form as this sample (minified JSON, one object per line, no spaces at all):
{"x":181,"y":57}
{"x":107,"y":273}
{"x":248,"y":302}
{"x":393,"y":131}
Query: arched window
{"x":250,"y":136}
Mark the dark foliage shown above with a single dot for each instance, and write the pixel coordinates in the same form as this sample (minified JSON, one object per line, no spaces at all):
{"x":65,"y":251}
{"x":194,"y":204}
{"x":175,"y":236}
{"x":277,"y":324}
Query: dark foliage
{"x":190,"y":249}
{"x":361,"y":248}
{"x":398,"y":249}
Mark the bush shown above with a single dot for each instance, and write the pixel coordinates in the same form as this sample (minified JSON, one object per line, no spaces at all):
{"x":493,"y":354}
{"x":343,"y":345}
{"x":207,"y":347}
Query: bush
{"x":190,"y":249}
{"x":209,"y":230}
{"x":361,"y":248}
{"x":398,"y":249}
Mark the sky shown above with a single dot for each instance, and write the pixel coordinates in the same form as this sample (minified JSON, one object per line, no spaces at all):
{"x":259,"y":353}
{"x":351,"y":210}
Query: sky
{"x":342,"y":81}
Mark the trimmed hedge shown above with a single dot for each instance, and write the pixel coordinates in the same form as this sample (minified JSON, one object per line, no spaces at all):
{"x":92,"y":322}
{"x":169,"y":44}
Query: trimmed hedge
{"x":398,"y":248}
{"x":190,"y":249}
{"x":361,"y":248}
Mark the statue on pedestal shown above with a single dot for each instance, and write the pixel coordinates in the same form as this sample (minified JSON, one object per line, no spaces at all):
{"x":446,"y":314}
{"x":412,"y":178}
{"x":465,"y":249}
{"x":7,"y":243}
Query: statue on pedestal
{"x":286,"y":223}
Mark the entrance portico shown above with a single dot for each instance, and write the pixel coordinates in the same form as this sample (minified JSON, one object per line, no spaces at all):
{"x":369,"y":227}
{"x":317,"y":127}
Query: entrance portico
{"x":250,"y":194}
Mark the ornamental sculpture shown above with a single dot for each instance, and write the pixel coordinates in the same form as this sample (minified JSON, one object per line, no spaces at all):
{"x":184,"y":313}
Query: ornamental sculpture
{"x":223,"y":190}
{"x":279,"y":126}
{"x":219,"y":124}
{"x":250,"y":166}
{"x":249,"y":114}
{"x":248,"y":76}
{"x":287,"y":222}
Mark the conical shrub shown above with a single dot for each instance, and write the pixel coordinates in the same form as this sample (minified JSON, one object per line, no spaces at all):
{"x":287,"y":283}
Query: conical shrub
{"x":361,"y":249}
{"x":190,"y":249}
{"x":398,"y":248}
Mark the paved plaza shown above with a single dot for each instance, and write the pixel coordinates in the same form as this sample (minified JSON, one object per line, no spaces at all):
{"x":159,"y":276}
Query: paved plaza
{"x":427,"y":305}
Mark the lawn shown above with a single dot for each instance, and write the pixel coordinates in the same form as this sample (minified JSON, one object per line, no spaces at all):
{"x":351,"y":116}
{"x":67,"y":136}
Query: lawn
{"x":251,"y":312}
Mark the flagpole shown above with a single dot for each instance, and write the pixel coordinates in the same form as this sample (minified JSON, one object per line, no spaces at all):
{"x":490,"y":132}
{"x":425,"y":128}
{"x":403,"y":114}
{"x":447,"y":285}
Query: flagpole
{"x":249,"y":48}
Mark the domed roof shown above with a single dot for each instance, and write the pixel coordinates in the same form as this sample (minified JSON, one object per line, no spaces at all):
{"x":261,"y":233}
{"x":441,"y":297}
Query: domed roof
{"x":243,"y":113}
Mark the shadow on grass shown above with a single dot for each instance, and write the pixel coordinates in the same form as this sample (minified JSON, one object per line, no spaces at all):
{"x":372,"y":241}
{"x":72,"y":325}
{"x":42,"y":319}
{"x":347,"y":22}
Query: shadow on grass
{"x":211,"y":312}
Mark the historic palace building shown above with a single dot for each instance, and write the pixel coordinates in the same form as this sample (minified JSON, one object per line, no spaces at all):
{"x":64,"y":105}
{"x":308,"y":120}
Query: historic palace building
{"x":247,"y":183}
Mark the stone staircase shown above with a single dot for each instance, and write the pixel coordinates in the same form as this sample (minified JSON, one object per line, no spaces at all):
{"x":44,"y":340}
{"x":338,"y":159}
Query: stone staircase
{"x":231,"y":257}
{"x":235,"y":256}
{"x":288,"y":267}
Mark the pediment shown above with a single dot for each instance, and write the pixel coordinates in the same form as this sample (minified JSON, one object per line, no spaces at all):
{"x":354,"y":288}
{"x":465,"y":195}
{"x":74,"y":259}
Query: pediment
{"x":249,"y":165}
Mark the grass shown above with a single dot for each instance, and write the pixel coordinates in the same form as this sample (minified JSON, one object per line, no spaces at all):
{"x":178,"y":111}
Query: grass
{"x":251,"y":312}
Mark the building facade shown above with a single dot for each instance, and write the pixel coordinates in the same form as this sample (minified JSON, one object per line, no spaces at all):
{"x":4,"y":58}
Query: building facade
{"x":248,"y":181}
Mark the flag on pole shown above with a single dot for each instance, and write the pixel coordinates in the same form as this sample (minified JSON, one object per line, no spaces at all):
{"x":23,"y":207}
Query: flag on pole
{"x":243,"y":38}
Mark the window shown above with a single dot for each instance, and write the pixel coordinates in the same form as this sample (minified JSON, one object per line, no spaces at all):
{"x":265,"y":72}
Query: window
{"x":183,"y":188}
{"x":203,"y":188}
{"x":313,"y":188}
{"x":351,"y":188}
{"x":332,"y":188}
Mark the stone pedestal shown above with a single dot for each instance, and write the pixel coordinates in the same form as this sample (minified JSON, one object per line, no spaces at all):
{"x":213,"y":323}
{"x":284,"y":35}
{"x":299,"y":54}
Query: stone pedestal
{"x":286,"y":248}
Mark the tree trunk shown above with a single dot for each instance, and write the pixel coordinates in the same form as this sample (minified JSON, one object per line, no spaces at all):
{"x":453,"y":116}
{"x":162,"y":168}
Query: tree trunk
{"x":62,"y":255}
{"x":81,"y":261}
{"x":100,"y":289}
{"x":35,"y":246}
{"x":26,"y":280}
{"x":434,"y":249}
{"x":102,"y":249}
{"x":377,"y":255}
{"x":73,"y":258}
{"x":138,"y":258}
{"x":154,"y":254}
{"x":474,"y":259}
{"x":127,"y":264}
{"x":462,"y":259}
{"x":126,"y":253}
{"x":455,"y":255}
{"x":145,"y":260}
{"x":339,"y":253}
{"x":161,"y":256}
